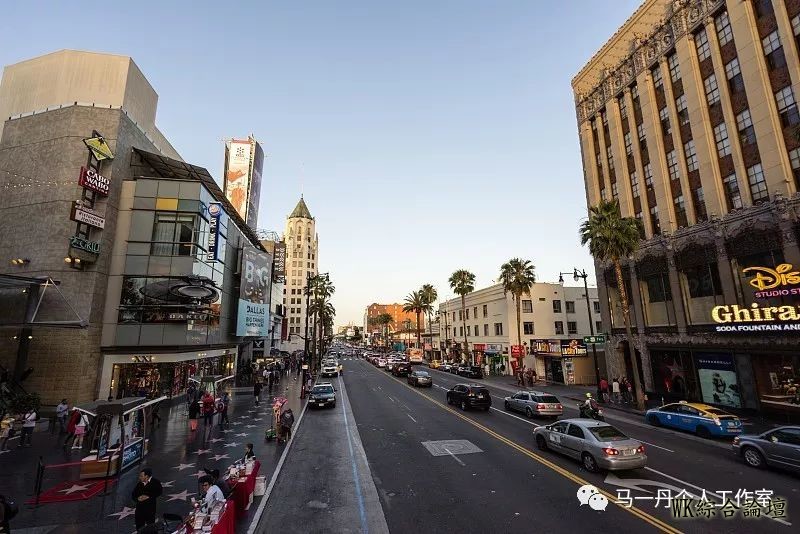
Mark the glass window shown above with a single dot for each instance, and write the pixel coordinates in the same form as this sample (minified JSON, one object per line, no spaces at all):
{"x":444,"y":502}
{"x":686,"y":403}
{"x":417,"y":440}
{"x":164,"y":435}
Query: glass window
{"x":787,"y":108}
{"x":575,"y":431}
{"x":623,"y":110}
{"x":598,"y":326}
{"x":640,"y":132}
{"x":680,"y":211}
{"x":683,"y":113}
{"x":663,"y":114}
{"x":527,"y":328}
{"x":724,"y":32}
{"x":476,"y":331}
{"x":572,"y":327}
{"x":475,"y":312}
{"x":556,"y":306}
{"x":691,"y":156}
{"x":173,"y":234}
{"x":614,"y":190}
{"x":628,"y":143}
{"x":648,"y":176}
{"x":634,"y":184}
{"x":498,"y":329}
{"x":712,"y":89}
{"x":734,"y":74}
{"x":527,"y":306}
{"x":486,"y":330}
{"x":773,"y":51}
{"x":794,"y":158}
{"x":732,"y":195}
{"x":796,"y":25}
{"x":596,"y":306}
{"x":559,"y":327}
{"x":485,"y":310}
{"x":467,"y":312}
{"x":570,"y":304}
{"x":744,"y":123}
{"x":654,"y":220}
{"x":674,"y":68}
{"x":658,"y":80}
{"x":758,"y":186}
{"x":672,"y":165}
{"x":656,"y":297}
{"x":703,"y":47}
{"x":721,"y":137}
{"x":610,"y":158}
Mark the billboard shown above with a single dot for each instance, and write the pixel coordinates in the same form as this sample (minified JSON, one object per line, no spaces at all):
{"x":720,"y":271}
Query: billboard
{"x":279,"y":265}
{"x":718,"y":379}
{"x":254,"y":195}
{"x":244,"y":164}
{"x":253,"y":316}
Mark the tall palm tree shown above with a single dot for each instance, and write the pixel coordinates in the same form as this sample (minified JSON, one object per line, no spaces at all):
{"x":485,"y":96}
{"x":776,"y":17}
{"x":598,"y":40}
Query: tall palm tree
{"x":517,"y":277}
{"x":463,"y":283}
{"x":612,"y":237}
{"x":415,"y":302}
{"x":430,"y":294}
{"x":385,"y":319}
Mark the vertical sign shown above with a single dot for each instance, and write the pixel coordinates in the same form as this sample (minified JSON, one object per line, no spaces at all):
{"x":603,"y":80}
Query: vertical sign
{"x":279,"y":262}
{"x":237,"y":175}
{"x":254,"y":289}
{"x":254,"y":190}
{"x":214,"y":212}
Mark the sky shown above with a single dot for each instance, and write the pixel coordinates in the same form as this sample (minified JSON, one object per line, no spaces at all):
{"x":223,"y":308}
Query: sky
{"x":425,"y":135}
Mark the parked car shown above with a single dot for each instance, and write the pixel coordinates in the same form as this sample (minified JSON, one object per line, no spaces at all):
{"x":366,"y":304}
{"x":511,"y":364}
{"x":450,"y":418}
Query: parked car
{"x":401,"y":369}
{"x":471,"y":371}
{"x":434,"y":364}
{"x":330,"y":369}
{"x":702,"y":419}
{"x":420,"y":378}
{"x":381,"y":363}
{"x":595,"y":444}
{"x":779,"y":448}
{"x":321,"y":395}
{"x":444,"y":367}
{"x":534,"y":403}
{"x":469,"y":396}
{"x":454,"y":368}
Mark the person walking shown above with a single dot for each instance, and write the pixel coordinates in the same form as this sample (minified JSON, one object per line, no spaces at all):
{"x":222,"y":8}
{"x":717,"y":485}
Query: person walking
{"x":623,"y":389}
{"x":146,"y":494}
{"x":80,"y":430}
{"x":615,"y":389}
{"x":6,"y":431}
{"x":8,"y":510}
{"x":154,"y":416}
{"x":194,"y":411}
{"x":222,"y":409}
{"x":287,"y":420}
{"x":191,"y":396}
{"x":61,"y":416}
{"x":28,"y":424}
{"x":257,"y":392}
{"x":74,"y":417}
{"x":208,"y":409}
{"x":604,"y":389}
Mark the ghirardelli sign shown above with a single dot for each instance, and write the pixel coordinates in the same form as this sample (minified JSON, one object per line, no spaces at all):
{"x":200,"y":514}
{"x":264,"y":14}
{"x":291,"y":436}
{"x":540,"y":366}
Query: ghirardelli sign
{"x":91,"y":179}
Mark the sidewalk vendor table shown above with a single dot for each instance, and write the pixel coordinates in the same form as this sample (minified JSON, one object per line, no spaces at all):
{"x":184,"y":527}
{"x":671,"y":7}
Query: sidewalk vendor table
{"x":225,"y":525}
{"x":242,"y":491}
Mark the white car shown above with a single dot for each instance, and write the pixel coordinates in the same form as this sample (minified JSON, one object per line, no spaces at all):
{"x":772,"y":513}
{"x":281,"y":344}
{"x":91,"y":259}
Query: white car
{"x":381,"y":362}
{"x":330,"y":369}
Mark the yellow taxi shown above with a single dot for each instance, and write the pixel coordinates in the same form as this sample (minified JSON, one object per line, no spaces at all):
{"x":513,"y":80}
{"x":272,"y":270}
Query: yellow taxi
{"x":434,"y":364}
{"x":702,"y":419}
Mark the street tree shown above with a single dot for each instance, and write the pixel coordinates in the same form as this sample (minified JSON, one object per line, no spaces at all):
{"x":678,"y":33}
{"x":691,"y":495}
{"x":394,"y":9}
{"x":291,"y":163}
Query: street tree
{"x":517,"y":277}
{"x":415,"y":303}
{"x":462,"y":283}
{"x":430,"y":294}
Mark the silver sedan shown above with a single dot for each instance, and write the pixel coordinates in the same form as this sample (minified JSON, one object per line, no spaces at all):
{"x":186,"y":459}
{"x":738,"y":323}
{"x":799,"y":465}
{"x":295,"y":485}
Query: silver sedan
{"x":534,"y":403}
{"x":597,"y":445}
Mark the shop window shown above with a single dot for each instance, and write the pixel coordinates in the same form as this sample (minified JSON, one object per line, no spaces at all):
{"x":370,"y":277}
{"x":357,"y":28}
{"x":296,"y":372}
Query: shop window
{"x":702,"y":290}
{"x":174,"y":234}
{"x":559,"y":327}
{"x":717,"y":379}
{"x":527,"y":328}
{"x":656,"y":296}
{"x":572,"y":327}
{"x":556,"y":306}
{"x":527,"y":306}
{"x":673,"y":375}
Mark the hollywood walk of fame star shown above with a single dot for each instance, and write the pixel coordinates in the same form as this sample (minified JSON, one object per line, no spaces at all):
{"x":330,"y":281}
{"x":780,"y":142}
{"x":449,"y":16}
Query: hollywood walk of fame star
{"x":236,"y":423}
{"x":215,"y":440}
{"x":182,"y":496}
{"x":167,"y":484}
{"x":125,"y":512}
{"x":74,"y":489}
{"x":242,"y":435}
{"x":218,"y":457}
{"x":251,"y":426}
{"x":258,"y":419}
{"x":232,"y":444}
{"x":203,"y":451}
{"x":200,"y":474}
{"x":181,"y":467}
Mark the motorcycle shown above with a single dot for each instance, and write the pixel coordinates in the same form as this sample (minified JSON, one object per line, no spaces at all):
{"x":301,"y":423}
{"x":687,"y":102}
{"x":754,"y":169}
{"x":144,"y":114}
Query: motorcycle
{"x":596,"y":414}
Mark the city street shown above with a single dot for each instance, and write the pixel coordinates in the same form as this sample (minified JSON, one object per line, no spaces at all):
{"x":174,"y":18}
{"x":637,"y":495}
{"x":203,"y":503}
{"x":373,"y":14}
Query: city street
{"x":485,"y":474}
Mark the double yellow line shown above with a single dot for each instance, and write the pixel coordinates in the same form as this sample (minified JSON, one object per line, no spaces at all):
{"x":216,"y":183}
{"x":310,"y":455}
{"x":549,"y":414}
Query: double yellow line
{"x":664,"y":527}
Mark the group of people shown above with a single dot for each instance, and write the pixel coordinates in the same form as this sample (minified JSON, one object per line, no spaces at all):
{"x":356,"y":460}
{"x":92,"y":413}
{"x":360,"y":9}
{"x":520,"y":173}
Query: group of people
{"x":621,"y":390}
{"x":526,"y":376}
{"x":71,"y":422}
{"x":11,"y":423}
{"x":203,"y":403}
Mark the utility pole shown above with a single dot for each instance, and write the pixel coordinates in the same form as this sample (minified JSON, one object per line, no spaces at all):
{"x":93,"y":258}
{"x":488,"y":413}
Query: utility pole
{"x":582,"y":274}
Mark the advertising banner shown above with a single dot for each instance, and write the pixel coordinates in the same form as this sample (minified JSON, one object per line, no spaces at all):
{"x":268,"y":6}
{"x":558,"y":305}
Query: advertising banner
{"x":573,"y":347}
{"x":718,"y":382}
{"x":254,"y":190}
{"x":214,"y":213}
{"x":518,"y":351}
{"x":546,"y":346}
{"x":87,"y":216}
{"x":91,"y":179}
{"x":253,"y":317}
{"x":237,"y":175}
{"x":279,"y":262}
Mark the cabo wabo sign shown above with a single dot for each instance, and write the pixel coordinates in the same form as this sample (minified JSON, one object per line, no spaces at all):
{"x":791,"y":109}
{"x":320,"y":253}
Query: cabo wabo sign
{"x":769,"y":284}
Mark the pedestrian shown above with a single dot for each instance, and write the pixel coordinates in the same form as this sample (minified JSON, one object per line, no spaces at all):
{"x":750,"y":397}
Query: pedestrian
{"x":287,"y":420}
{"x":194,"y":411}
{"x":154,"y":415}
{"x":248,"y":452}
{"x":208,"y":409}
{"x":268,"y":376}
{"x":623,"y":389}
{"x":80,"y":431}
{"x":604,"y":389}
{"x":74,"y":417}
{"x":191,"y":395}
{"x":146,"y":494}
{"x":6,"y":431}
{"x":61,"y":416}
{"x":257,"y":392}
{"x":28,"y":424}
{"x":615,"y":389}
{"x":521,"y":377}
{"x":8,"y":509}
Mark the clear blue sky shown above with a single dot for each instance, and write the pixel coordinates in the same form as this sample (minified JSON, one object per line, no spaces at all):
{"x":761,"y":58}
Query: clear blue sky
{"x":426,"y":135}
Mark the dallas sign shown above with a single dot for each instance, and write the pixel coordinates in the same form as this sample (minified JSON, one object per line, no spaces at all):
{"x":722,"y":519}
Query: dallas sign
{"x":768,"y":283}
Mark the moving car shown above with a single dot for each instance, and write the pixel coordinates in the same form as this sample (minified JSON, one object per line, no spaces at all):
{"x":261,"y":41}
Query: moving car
{"x":471,"y":371}
{"x":596,"y":444}
{"x":401,"y":369}
{"x":420,"y":378}
{"x":469,"y":396}
{"x":534,"y":403}
{"x":454,"y":368}
{"x":702,"y":419}
{"x":321,"y":395}
{"x":434,"y":364}
{"x":779,"y":448}
{"x":330,"y":369}
{"x":444,"y":367}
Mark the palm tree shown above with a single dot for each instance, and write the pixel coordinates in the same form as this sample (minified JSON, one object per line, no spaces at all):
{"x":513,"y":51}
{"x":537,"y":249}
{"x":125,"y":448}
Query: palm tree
{"x":612,"y":237}
{"x":517,"y":276}
{"x":415,"y":302}
{"x":463,"y":283}
{"x":430,"y":294}
{"x":385,"y":319}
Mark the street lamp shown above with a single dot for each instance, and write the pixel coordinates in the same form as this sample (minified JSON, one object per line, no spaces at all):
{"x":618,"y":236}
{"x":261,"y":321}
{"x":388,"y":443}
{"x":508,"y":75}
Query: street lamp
{"x":576,"y":275}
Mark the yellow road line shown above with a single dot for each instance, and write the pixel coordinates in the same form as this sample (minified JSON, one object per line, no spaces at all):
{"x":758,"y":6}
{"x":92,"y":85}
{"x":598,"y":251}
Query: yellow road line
{"x":665,"y":527}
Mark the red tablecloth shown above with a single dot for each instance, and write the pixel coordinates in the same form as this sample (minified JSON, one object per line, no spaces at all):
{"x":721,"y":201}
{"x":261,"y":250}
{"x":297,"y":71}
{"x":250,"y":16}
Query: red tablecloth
{"x":227,"y":521}
{"x":242,"y":491}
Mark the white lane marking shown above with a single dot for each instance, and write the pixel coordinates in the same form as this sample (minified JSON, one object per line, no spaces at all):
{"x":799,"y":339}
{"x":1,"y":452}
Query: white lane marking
{"x":404,"y":406}
{"x":456,"y":458}
{"x":409,"y":416}
{"x":652,"y":445}
{"x":535,"y":425}
{"x":391,"y":399}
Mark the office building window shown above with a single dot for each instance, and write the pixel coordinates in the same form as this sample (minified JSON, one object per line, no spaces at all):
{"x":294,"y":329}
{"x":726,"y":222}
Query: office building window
{"x":527,"y":328}
{"x":658,"y":80}
{"x":787,"y":107}
{"x":556,"y":306}
{"x":640,"y":133}
{"x":628,"y":143}
{"x":758,"y":186}
{"x":794,"y":158}
{"x":454,"y":316}
{"x":476,"y":330}
{"x":475,"y":312}
{"x":467,"y":312}
{"x":598,"y":326}
{"x":623,"y":110}
{"x":724,"y":32}
{"x":656,"y":226}
{"x":732,"y":195}
{"x":762,"y":8}
{"x":734,"y":74}
{"x":747,"y":135}
{"x":663,"y":114}
{"x":527,"y":306}
{"x":691,"y":156}
{"x":703,"y":47}
{"x":712,"y":89}
{"x":796,"y":26}
{"x":674,"y":68}
{"x":614,"y":190}
{"x":498,"y":329}
{"x":610,"y":158}
{"x":485,"y":310}
{"x":773,"y":51}
{"x":572,"y":327}
{"x":460,"y":331}
{"x":680,"y":211}
{"x":634,"y":92}
{"x":634,"y":184}
{"x":570,"y":305}
{"x":174,"y":234}
{"x":638,"y":216}
{"x":596,"y":306}
{"x":648,"y":176}
{"x":683,"y":112}
{"x":721,"y":137}
{"x":460,"y":315}
{"x":559,"y":327}
{"x":486,"y":330}
{"x":672,"y":165}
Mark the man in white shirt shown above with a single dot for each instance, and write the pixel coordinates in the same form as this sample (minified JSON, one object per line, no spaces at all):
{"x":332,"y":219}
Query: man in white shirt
{"x":28,"y":424}
{"x":213,"y":494}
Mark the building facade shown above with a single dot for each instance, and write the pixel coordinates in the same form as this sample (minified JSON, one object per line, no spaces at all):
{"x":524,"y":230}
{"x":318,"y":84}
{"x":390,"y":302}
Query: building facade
{"x":145,"y":247}
{"x":553,"y":321}
{"x":302,"y":262}
{"x":402,"y":326}
{"x":687,"y":116}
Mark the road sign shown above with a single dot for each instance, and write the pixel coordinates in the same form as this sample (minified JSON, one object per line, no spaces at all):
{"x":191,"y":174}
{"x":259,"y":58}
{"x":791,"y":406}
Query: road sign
{"x":595,"y":340}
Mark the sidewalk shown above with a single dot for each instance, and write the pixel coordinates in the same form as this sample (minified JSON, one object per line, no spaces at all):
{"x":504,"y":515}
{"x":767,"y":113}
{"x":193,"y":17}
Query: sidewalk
{"x":177,"y":457}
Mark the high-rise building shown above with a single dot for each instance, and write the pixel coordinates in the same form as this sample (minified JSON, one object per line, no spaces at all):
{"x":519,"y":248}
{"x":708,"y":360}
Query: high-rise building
{"x":688,"y":117}
{"x":302,"y":262}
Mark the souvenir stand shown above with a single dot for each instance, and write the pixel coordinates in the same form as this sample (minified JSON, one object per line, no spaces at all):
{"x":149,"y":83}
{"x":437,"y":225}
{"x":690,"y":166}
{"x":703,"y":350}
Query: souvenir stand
{"x":118,"y":437}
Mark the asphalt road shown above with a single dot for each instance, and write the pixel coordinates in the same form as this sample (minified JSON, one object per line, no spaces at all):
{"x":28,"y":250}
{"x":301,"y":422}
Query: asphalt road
{"x":510,"y":486}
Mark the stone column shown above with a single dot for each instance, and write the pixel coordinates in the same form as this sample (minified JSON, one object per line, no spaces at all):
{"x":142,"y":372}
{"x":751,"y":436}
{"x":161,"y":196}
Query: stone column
{"x":675,"y":290}
{"x":635,"y":302}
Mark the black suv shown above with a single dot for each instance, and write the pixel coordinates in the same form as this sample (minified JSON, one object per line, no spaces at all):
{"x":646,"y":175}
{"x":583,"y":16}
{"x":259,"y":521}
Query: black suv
{"x":401,"y":369}
{"x":471,"y":371}
{"x":469,"y":396}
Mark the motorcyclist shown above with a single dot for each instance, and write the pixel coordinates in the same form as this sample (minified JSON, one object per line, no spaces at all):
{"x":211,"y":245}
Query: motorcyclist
{"x":590,"y":405}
